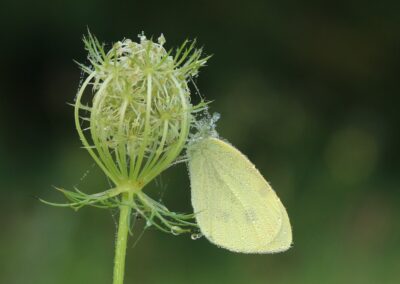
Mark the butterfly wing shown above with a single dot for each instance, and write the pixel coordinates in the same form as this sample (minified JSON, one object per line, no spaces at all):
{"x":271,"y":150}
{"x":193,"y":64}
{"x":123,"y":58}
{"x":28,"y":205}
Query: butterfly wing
{"x":235,"y":206}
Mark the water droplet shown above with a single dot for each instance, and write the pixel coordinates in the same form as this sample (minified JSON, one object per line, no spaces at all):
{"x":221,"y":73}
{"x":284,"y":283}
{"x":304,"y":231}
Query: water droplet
{"x":196,"y":236}
{"x":176,"y":230}
{"x":215,"y":117}
{"x":142,"y":37}
{"x":161,"y":39}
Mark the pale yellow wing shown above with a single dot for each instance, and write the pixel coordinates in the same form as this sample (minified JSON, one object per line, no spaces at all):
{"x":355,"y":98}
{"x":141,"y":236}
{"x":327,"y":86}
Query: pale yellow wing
{"x":235,"y":207}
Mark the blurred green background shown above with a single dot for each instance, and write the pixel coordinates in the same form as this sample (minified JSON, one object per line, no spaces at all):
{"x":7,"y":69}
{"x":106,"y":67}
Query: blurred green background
{"x":308,"y":90}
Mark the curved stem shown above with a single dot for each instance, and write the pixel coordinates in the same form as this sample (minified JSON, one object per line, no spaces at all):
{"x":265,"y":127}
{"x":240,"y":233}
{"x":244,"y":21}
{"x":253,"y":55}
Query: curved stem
{"x":146,"y":128}
{"x":122,"y":238}
{"x":157,"y":153}
{"x":101,"y":147}
{"x":185,"y":127}
{"x":80,"y":131}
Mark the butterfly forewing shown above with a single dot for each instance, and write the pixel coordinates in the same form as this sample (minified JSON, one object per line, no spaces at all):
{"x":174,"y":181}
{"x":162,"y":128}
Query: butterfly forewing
{"x":235,"y":207}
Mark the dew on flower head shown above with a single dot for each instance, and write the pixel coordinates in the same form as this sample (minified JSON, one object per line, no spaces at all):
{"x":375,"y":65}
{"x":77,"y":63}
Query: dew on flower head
{"x":213,"y":121}
{"x":205,"y":126}
{"x":142,"y":37}
{"x":161,"y":39}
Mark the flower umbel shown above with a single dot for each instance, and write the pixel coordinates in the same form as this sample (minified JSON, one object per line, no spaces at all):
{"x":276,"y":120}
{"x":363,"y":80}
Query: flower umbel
{"x":135,"y":122}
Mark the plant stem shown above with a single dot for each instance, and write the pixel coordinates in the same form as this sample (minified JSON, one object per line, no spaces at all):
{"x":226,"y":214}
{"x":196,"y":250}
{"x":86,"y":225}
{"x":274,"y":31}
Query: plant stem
{"x":122,"y":238}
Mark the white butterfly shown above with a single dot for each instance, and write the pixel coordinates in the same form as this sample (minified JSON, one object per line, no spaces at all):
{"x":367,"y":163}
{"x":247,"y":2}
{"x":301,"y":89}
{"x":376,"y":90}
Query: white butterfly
{"x":235,"y":206}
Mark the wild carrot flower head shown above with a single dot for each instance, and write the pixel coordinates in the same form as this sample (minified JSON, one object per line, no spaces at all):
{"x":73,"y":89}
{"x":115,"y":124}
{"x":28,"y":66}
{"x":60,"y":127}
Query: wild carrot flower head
{"x":133,"y":114}
{"x":140,"y":115}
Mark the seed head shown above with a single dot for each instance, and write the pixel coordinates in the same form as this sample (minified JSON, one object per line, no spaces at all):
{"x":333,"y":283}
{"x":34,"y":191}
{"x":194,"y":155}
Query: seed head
{"x":135,"y":121}
{"x":140,"y":112}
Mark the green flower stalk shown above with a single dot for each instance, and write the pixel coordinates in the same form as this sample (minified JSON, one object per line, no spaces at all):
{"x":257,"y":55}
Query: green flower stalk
{"x":133,"y":114}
